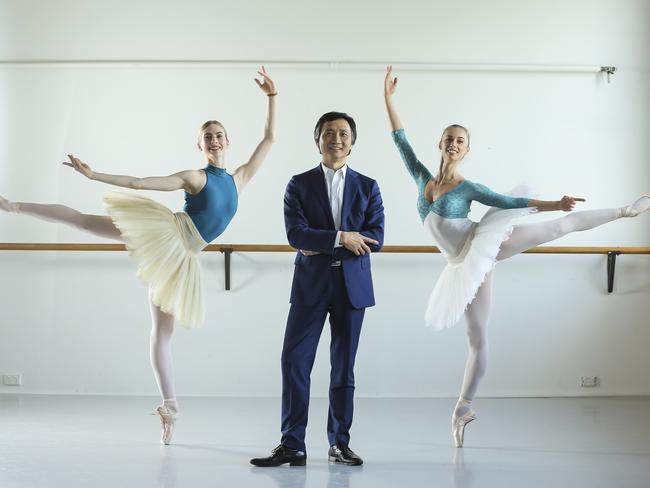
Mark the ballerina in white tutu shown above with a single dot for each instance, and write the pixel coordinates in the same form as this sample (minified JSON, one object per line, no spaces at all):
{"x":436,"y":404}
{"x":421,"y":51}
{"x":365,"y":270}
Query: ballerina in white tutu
{"x":473,"y":248}
{"x":164,"y":244}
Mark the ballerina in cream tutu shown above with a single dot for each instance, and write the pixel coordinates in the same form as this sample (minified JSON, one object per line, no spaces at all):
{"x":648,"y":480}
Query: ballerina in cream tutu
{"x":473,"y":248}
{"x":164,"y":244}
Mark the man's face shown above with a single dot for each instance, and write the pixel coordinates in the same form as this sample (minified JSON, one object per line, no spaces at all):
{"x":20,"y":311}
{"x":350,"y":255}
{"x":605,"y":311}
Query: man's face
{"x":335,"y":141}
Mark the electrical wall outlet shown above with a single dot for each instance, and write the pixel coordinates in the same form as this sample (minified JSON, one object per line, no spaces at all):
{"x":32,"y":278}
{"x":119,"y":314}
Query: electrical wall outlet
{"x":12,"y":379}
{"x":589,"y":381}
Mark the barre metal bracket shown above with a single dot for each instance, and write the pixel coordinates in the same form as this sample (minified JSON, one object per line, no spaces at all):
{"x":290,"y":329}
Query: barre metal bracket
{"x":610,"y":70}
{"x":611,"y":268}
{"x":227,"y":252}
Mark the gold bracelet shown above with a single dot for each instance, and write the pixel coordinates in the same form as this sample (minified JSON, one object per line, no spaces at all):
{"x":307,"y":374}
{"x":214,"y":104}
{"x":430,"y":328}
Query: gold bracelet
{"x":271,"y":94}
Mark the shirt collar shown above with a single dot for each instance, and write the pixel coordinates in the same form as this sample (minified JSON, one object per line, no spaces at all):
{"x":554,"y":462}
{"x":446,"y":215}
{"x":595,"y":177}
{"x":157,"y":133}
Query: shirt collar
{"x":343,"y":169}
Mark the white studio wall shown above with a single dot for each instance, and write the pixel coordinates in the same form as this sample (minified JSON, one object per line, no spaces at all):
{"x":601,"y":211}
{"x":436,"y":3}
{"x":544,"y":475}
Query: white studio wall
{"x":78,"y":322}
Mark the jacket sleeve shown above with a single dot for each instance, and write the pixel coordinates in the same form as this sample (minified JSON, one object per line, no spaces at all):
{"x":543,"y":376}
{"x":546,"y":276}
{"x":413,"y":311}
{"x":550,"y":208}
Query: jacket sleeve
{"x":299,"y":234}
{"x":373,"y":225}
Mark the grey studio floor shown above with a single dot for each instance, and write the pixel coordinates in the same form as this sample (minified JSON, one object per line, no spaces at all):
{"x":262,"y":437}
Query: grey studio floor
{"x":101,"y":441}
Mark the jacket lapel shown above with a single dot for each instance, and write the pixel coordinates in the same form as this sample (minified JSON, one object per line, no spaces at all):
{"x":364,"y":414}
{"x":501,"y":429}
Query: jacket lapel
{"x":349,"y":192}
{"x":320,"y":192}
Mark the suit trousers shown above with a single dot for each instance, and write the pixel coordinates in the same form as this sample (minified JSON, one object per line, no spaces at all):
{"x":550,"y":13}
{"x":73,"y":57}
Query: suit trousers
{"x":304,"y":327}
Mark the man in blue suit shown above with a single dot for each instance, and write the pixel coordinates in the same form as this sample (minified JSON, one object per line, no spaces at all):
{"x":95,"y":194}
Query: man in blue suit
{"x":335,"y":217}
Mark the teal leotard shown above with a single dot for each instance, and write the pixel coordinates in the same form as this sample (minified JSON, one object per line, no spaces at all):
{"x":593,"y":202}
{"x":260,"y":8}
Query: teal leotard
{"x":454,"y":204}
{"x":215,"y":205}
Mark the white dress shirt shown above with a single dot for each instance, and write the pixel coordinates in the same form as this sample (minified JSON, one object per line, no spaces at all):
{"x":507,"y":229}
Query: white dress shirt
{"x":335,"y":183}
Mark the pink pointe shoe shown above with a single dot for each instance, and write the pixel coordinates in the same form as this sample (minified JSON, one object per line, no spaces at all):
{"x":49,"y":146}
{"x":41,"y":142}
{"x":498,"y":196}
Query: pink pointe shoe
{"x":8,"y":206}
{"x":458,"y":426}
{"x":638,"y":207}
{"x":168,"y":419}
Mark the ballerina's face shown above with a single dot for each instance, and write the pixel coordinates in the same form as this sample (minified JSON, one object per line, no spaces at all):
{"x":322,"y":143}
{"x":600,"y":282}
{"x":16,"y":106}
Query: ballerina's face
{"x":454,"y":144}
{"x":213,"y":142}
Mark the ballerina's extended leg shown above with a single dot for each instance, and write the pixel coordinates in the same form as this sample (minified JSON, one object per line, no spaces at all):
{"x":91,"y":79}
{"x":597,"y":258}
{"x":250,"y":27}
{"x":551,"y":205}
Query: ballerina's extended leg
{"x":161,"y":361}
{"x":100,"y":225}
{"x":527,"y":236}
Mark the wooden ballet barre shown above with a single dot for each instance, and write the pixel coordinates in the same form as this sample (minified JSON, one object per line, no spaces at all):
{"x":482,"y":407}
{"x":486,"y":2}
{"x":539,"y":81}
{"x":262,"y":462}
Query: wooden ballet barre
{"x":228,"y":249}
{"x":50,"y":246}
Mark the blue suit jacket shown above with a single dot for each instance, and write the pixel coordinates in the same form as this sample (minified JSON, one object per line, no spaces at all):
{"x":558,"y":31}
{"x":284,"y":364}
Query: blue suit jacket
{"x":310,"y":226}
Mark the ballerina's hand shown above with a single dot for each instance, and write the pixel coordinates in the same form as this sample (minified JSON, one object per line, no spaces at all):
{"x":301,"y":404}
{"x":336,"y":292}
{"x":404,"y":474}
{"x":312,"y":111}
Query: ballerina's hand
{"x":567,"y":203}
{"x":266,"y":84}
{"x":78,"y":165}
{"x":390,"y":83}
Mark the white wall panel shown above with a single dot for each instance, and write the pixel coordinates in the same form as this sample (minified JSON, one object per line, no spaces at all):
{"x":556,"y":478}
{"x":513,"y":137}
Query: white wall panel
{"x":78,"y":322}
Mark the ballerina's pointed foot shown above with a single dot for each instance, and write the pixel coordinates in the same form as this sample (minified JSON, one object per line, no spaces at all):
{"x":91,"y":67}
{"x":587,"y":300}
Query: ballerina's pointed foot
{"x":458,"y":427}
{"x":8,"y":206}
{"x":167,"y":419}
{"x":638,"y":207}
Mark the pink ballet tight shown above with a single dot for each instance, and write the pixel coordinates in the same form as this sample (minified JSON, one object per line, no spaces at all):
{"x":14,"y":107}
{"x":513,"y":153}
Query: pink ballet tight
{"x":527,"y":236}
{"x":476,"y":316}
{"x":100,"y":225}
{"x":160,"y":351}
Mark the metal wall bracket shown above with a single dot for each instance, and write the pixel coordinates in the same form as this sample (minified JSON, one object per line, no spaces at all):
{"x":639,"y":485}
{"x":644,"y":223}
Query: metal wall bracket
{"x":227,"y":252}
{"x":611,"y":268}
{"x":610,"y":70}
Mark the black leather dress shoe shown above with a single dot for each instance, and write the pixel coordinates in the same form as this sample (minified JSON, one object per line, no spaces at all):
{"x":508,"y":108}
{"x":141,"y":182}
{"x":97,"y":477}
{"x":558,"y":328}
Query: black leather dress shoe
{"x":281,"y":455}
{"x":342,"y":454}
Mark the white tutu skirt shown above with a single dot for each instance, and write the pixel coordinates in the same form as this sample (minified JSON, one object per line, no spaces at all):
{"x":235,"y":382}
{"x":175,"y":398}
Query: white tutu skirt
{"x":165,"y":246}
{"x":466,"y":270}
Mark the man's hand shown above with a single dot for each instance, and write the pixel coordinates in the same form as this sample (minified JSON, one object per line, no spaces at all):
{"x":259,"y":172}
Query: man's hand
{"x":356,"y":243}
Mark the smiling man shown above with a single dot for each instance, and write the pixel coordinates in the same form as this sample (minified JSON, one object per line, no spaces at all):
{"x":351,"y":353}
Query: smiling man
{"x":335,"y":217}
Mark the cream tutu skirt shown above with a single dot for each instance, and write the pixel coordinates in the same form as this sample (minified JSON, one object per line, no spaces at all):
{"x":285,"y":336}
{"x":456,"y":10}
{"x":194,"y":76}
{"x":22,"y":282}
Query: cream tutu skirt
{"x":468,"y":265}
{"x":165,"y":246}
